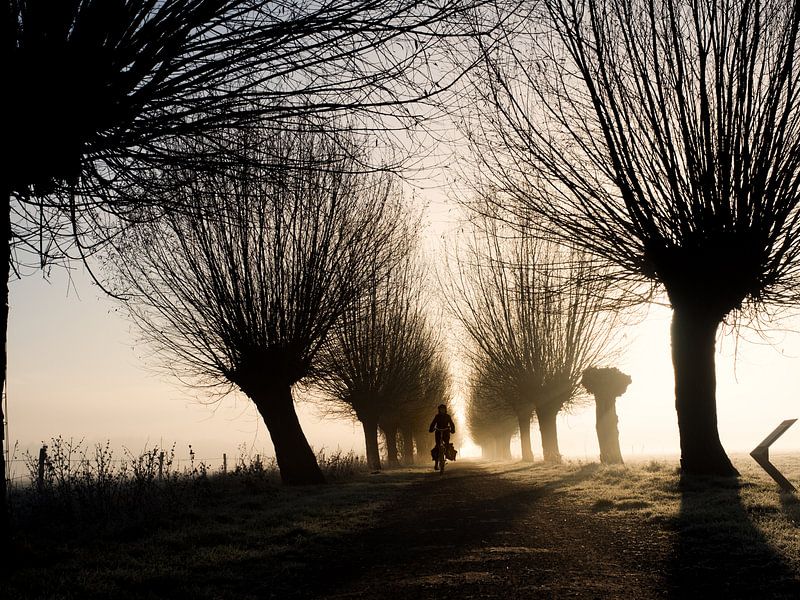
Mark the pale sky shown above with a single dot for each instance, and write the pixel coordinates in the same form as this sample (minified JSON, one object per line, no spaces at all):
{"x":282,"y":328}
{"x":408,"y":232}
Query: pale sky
{"x":74,"y":371}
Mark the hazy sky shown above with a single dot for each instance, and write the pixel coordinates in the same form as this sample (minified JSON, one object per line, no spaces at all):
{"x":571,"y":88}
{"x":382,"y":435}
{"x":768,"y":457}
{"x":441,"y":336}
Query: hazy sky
{"x":74,"y":370}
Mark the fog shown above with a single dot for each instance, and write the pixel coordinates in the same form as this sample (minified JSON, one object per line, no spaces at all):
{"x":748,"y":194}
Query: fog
{"x":75,"y":370}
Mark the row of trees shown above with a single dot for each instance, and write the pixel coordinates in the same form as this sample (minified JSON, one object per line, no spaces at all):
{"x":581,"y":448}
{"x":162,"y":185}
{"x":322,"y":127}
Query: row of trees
{"x":110,"y":95}
{"x":492,"y":423}
{"x":384,"y":366}
{"x":661,"y":138}
{"x":534,"y":316}
{"x":291,"y":267}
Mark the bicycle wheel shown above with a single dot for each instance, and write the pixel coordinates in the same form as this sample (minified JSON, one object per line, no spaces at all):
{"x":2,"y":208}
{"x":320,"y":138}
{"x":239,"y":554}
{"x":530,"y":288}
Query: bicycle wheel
{"x":442,"y":459}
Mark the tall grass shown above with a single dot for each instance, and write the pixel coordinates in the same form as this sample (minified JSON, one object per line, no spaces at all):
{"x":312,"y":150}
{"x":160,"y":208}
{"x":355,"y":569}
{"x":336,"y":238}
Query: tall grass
{"x":90,"y":487}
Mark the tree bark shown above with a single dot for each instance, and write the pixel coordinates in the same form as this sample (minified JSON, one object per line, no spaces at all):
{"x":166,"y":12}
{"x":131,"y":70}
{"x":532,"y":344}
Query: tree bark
{"x":371,"y":442}
{"x":296,"y":461}
{"x":607,"y":430}
{"x":421,"y":437}
{"x":390,"y":434}
{"x":503,"y":447}
{"x":693,"y":344}
{"x":525,"y":436}
{"x":548,"y":429}
{"x":408,"y":445}
{"x":488,"y":449}
{"x":5,"y":528}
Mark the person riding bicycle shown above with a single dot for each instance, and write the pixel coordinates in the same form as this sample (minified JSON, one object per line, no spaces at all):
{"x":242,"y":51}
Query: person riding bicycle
{"x":443,"y":425}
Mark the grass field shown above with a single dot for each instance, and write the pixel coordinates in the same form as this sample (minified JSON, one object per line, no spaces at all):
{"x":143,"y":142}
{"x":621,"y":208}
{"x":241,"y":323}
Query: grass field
{"x":737,"y":512}
{"x":703,"y":519}
{"x":249,"y":537}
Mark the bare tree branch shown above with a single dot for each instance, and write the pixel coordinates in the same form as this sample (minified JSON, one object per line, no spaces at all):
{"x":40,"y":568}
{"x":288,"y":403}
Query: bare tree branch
{"x":533,"y":314}
{"x":242,"y":286}
{"x":663,"y":137}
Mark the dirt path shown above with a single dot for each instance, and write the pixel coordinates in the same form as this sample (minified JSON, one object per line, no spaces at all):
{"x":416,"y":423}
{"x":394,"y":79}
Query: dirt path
{"x":477,"y":534}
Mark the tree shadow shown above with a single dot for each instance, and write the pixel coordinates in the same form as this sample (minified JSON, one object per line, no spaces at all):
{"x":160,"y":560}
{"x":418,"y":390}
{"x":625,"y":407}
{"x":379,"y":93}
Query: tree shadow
{"x":451,"y":516}
{"x":719,"y":551}
{"x":790,"y":503}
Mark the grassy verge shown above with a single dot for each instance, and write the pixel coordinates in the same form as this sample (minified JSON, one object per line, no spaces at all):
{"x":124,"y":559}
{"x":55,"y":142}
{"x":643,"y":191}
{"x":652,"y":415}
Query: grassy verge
{"x":99,"y":527}
{"x":229,"y":537}
{"x":704,"y":518}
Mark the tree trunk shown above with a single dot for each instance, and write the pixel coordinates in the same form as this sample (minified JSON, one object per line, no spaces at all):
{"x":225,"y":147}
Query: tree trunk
{"x":503,"y":445}
{"x":693,"y":345}
{"x":487,"y":449}
{"x":371,"y":442}
{"x":408,"y":445}
{"x":607,"y":430}
{"x":390,"y":433}
{"x":548,"y":429}
{"x":421,"y":441}
{"x":296,"y":461}
{"x":525,"y":436}
{"x":5,"y":529}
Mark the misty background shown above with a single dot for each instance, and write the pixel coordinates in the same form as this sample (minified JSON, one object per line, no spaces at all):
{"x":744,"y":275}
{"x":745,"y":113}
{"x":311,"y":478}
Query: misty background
{"x":76,"y":370}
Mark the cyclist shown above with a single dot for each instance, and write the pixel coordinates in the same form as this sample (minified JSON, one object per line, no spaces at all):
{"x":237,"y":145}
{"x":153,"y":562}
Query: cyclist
{"x":443,"y":425}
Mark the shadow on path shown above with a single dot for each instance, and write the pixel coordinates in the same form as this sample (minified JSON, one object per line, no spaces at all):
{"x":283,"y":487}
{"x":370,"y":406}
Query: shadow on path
{"x":434,"y":523}
{"x":719,"y":551}
{"x":442,"y":534}
{"x":477,"y":535}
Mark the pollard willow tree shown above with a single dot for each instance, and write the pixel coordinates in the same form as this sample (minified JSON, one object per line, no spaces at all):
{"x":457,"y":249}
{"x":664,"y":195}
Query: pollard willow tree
{"x":380,"y":351}
{"x":491,"y":422}
{"x":241,"y":286}
{"x":101,"y":89}
{"x":664,"y":137}
{"x":479,"y":294}
{"x":500,"y":382}
{"x":534,"y":316}
{"x":606,"y":384}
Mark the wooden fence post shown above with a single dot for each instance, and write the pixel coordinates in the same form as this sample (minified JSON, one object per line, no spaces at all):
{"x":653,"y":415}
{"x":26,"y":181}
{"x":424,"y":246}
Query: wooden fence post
{"x":160,"y":465}
{"x":224,"y":463}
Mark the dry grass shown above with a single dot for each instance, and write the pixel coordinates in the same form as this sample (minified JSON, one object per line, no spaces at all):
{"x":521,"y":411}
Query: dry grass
{"x":238,"y":539}
{"x":245,"y":536}
{"x":84,"y":486}
{"x":99,"y":528}
{"x":743,"y":513}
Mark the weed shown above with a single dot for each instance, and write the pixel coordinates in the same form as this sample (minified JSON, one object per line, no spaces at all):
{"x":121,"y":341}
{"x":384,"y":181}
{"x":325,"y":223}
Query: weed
{"x":340,"y":466}
{"x":84,"y":488}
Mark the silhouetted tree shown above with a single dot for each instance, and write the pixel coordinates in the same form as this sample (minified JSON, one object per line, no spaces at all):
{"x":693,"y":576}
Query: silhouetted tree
{"x":242,"y":285}
{"x":481,"y":298}
{"x":606,"y":385}
{"x":533,"y":314}
{"x":491,"y":423}
{"x":103,"y":88}
{"x":663,"y":137}
{"x":436,"y":390}
{"x":379,"y":349}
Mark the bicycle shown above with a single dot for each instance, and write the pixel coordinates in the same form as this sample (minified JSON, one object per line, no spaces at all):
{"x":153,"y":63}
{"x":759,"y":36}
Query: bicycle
{"x":441,"y":450}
